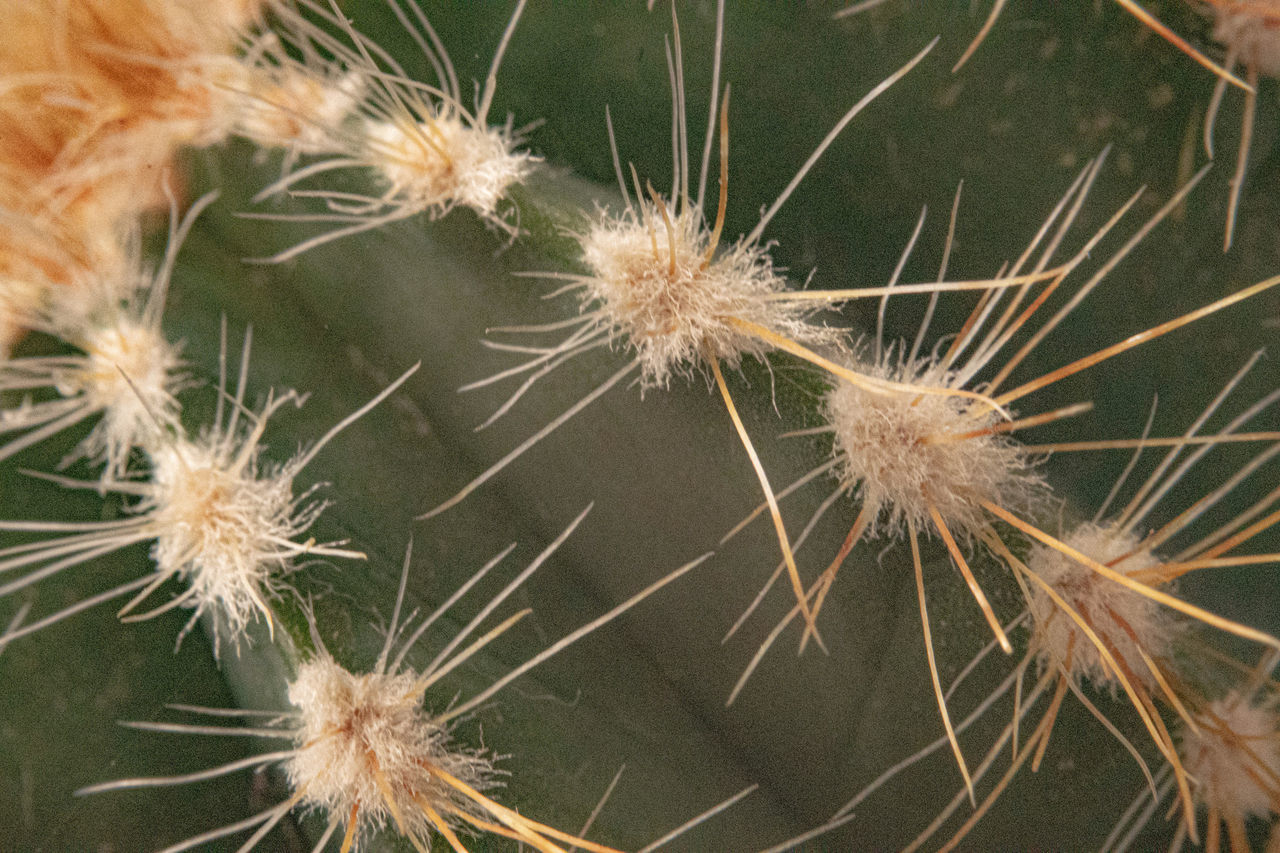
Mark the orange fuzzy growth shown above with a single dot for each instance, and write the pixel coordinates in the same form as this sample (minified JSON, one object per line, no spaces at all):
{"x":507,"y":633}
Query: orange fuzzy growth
{"x":107,"y":87}
{"x":96,"y":97}
{"x":65,"y":188}
{"x":41,"y":252}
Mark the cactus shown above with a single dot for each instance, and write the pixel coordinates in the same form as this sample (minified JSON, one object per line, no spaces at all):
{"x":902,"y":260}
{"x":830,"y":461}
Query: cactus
{"x":1049,"y":88}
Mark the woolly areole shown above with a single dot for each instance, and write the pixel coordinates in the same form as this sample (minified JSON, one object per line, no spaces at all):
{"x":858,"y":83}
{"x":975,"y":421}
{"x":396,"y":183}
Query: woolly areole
{"x":1123,"y":619}
{"x":658,"y":285}
{"x":903,"y":451}
{"x":365,"y":742}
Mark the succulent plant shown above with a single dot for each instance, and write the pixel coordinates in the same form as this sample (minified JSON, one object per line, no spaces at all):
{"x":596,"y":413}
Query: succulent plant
{"x":662,"y":465}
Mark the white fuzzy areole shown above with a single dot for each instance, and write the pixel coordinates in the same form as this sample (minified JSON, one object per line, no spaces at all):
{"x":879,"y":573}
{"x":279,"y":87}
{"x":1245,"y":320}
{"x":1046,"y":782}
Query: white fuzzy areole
{"x":222,"y":528}
{"x":883,"y":442}
{"x":1235,"y":757}
{"x":443,"y":160}
{"x":130,"y":373}
{"x":361,"y":737}
{"x":675,"y":318}
{"x":1116,"y":614}
{"x":1252,"y":29}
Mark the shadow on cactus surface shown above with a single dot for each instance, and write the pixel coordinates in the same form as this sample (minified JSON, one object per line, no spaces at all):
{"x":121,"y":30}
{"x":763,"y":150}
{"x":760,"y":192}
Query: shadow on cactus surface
{"x":1048,"y":90}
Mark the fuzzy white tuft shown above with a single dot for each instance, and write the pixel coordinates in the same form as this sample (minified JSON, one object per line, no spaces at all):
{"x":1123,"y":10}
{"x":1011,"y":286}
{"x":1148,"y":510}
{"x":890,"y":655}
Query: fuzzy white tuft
{"x":1252,"y":30}
{"x":109,"y":305}
{"x":131,"y":373}
{"x":126,"y":371}
{"x":365,"y":745}
{"x":226,"y":525}
{"x":1235,"y":757}
{"x":893,"y":448}
{"x":1123,"y":619}
{"x":426,"y":152}
{"x":656,"y":288}
{"x":220,"y":520}
{"x":443,"y":160}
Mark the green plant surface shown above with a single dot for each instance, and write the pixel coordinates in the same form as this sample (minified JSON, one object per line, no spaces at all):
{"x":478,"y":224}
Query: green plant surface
{"x":1048,"y":90}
